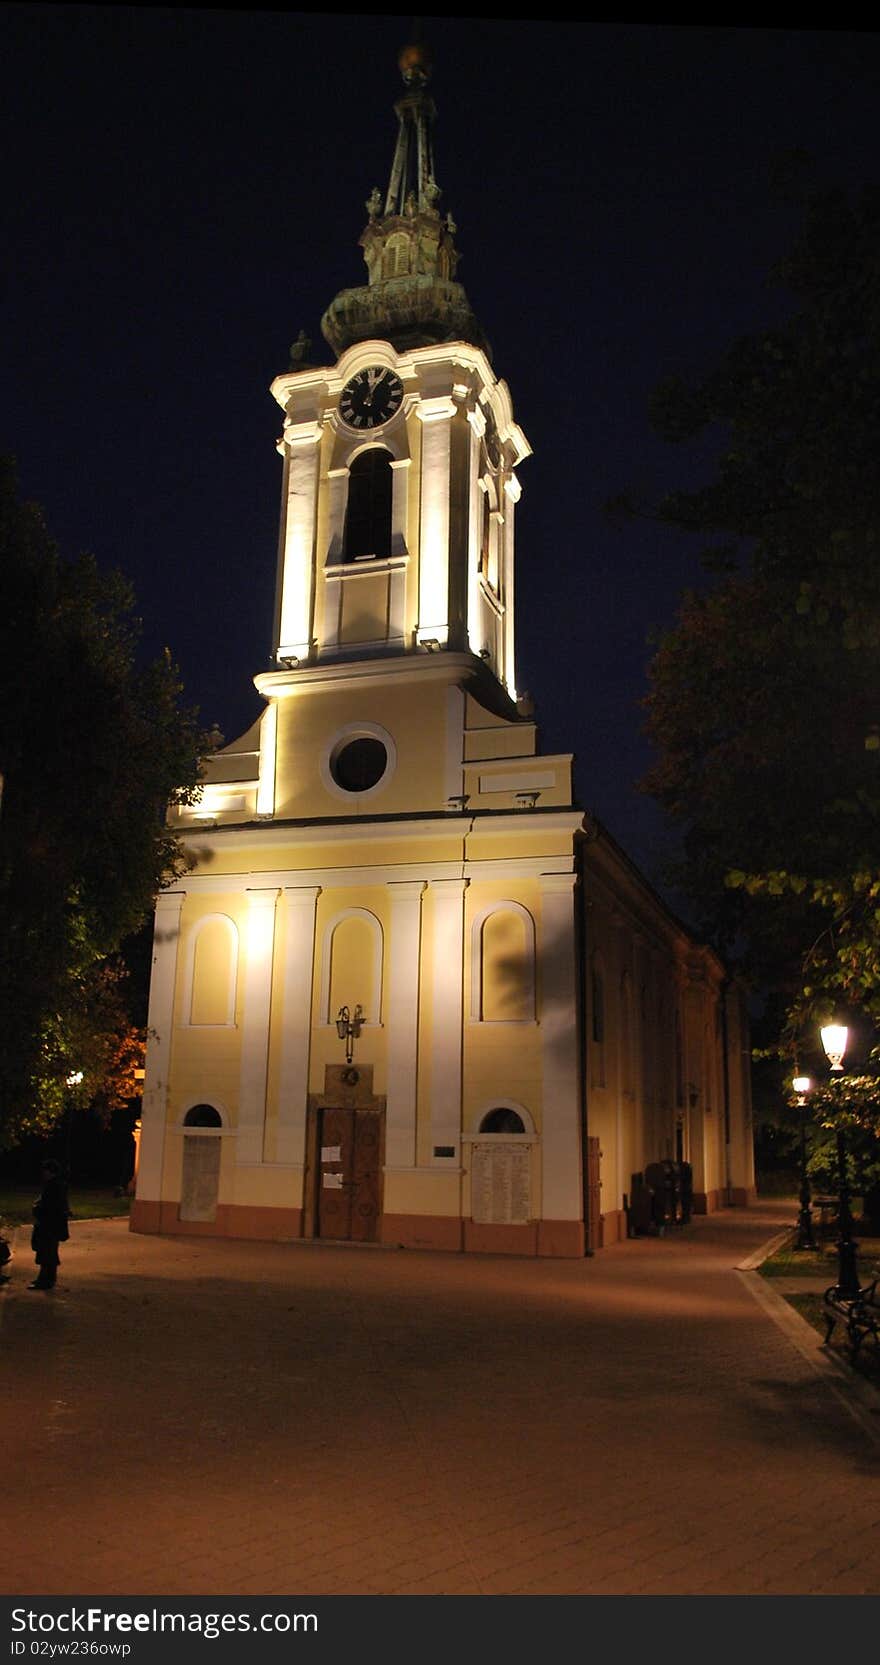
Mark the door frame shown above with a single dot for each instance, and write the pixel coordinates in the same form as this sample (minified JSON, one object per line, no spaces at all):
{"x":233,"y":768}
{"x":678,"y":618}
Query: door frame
{"x":346,"y":1087}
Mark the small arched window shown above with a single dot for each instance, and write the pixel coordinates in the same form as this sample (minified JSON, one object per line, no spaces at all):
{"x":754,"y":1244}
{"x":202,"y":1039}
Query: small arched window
{"x":397,"y":252}
{"x":202,"y":1115}
{"x":502,"y":1120}
{"x":368,"y":515}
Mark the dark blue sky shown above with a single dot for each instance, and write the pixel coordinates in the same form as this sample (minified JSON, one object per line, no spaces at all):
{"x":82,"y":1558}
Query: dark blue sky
{"x":185,"y":191}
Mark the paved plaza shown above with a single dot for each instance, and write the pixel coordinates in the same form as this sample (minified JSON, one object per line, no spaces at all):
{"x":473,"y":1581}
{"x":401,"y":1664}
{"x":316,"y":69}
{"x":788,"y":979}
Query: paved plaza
{"x":186,"y":1416}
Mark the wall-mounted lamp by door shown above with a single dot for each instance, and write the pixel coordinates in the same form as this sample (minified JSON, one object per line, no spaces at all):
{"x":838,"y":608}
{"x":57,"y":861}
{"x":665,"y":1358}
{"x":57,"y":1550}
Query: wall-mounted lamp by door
{"x":348,"y":1028}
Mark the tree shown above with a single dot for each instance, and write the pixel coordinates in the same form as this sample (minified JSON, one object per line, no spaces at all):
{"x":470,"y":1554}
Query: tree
{"x":93,"y":747}
{"x":765,"y":695}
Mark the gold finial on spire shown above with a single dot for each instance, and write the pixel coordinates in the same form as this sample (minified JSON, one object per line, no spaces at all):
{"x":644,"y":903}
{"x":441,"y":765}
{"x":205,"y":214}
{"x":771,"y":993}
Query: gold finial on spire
{"x":414,"y":62}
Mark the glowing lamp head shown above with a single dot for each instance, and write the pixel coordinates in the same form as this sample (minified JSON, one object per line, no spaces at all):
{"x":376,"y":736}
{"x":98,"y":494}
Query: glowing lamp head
{"x":801,"y":1085}
{"x":834,"y":1037}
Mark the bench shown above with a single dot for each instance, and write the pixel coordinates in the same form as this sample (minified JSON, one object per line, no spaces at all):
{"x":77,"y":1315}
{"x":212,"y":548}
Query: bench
{"x":860,"y":1313}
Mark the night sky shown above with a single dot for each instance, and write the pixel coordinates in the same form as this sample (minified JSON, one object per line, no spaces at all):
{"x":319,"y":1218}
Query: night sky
{"x":185,"y":191}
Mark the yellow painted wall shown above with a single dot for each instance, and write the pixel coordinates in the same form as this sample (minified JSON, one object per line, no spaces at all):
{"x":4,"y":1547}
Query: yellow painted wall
{"x":365,"y":601}
{"x":308,"y":724}
{"x":214,"y":973}
{"x":501,"y":740}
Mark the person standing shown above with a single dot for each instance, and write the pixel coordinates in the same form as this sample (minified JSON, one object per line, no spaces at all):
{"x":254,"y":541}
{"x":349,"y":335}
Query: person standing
{"x":50,"y":1225}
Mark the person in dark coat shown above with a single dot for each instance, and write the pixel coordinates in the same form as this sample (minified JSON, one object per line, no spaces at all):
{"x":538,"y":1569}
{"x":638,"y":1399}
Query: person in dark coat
{"x":50,"y":1225}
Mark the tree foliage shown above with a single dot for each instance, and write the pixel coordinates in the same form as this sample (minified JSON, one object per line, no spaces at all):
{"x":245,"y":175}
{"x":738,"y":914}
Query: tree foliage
{"x":93,"y":746}
{"x":764,"y":705}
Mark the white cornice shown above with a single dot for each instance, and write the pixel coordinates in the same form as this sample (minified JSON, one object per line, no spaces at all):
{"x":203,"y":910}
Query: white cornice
{"x":550,"y":871}
{"x":403,"y":667}
{"x":516,"y":823}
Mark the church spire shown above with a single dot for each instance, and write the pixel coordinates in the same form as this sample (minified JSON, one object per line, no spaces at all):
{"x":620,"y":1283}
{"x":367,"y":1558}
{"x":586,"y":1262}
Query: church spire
{"x":412,"y":170}
{"x":411,"y":298}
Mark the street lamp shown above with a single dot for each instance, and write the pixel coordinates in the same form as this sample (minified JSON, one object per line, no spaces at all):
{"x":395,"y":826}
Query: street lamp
{"x":71,"y":1082}
{"x":348,"y":1028}
{"x":834,"y":1038}
{"x":805,"y":1237}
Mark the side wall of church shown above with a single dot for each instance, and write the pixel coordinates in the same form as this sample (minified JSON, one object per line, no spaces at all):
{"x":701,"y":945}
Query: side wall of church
{"x":667,"y":1073}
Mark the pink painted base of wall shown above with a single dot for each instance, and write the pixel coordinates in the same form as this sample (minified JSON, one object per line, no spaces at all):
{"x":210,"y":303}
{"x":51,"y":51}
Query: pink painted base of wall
{"x":742,"y":1196}
{"x":421,"y":1231}
{"x":563,"y":1239}
{"x":501,"y":1240}
{"x":612,"y":1228}
{"x":706,"y":1202}
{"x":272,"y":1225}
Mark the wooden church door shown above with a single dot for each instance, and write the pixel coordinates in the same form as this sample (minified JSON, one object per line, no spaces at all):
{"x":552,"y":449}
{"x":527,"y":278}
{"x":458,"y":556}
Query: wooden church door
{"x":349,"y":1153}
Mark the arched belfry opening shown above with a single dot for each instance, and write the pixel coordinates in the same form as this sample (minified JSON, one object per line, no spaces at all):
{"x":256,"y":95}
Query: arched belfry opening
{"x":368,"y":515}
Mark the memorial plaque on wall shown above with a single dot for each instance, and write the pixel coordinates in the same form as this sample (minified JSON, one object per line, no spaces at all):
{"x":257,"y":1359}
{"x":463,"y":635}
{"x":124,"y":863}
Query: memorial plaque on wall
{"x":501,"y":1183}
{"x":201,"y":1178}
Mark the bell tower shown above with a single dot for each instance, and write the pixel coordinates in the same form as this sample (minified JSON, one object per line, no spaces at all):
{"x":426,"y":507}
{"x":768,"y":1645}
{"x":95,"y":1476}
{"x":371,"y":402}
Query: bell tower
{"x":400,"y":486}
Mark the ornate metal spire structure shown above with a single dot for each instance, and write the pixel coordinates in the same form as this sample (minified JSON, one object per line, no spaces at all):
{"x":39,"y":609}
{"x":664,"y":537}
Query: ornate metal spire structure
{"x":412,"y":171}
{"x":411,"y":299}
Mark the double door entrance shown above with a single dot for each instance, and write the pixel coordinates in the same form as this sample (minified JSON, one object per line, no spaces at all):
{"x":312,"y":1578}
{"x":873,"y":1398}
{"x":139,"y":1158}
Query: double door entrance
{"x":349,"y":1162}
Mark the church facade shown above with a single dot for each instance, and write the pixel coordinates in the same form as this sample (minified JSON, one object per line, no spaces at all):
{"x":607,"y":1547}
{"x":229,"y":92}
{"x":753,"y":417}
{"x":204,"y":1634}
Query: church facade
{"x":409,"y":993}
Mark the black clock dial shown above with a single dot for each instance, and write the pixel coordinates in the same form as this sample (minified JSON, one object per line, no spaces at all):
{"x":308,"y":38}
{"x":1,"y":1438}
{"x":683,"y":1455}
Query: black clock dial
{"x":370,"y":398}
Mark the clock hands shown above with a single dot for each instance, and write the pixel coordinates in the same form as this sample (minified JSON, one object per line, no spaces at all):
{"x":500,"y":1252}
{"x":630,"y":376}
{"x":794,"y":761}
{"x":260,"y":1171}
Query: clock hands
{"x":371,"y":397}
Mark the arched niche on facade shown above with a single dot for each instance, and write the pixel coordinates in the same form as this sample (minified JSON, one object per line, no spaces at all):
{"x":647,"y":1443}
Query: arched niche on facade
{"x":212,"y":973}
{"x":351,"y":965}
{"x":503,"y":964}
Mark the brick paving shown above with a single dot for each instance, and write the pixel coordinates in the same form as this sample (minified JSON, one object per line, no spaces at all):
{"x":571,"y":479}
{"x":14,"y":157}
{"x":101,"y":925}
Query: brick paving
{"x":218,"y":1418}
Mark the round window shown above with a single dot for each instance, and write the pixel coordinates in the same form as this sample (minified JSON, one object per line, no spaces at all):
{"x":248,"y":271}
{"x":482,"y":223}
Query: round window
{"x":359,"y":763}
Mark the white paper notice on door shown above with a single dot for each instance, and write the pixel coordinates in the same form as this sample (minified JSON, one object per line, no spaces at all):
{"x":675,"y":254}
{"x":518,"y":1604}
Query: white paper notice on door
{"x":331,"y":1153}
{"x":332,"y":1182}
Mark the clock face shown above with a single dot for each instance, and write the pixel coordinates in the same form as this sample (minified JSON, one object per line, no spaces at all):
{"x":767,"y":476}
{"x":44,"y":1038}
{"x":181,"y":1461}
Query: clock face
{"x":372,"y":397}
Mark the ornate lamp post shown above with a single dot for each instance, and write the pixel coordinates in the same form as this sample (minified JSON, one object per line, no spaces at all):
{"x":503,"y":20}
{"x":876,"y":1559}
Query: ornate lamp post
{"x":834,"y":1038}
{"x":348,"y":1028}
{"x":805,"y":1236}
{"x":71,"y":1082}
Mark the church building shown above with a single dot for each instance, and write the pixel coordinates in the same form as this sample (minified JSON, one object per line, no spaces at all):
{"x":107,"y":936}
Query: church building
{"x":409,"y":993}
